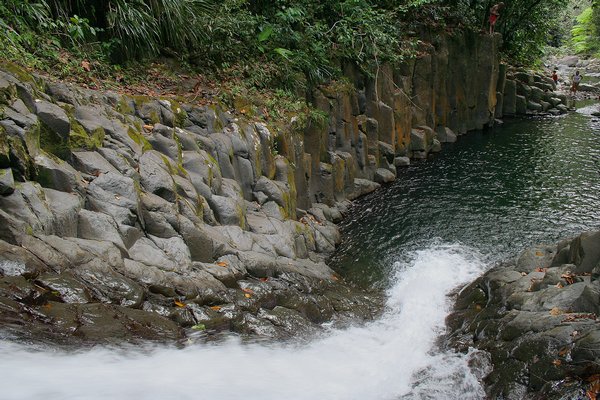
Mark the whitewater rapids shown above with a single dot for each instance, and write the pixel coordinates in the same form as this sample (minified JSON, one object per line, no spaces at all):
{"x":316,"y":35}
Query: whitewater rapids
{"x":394,"y":357}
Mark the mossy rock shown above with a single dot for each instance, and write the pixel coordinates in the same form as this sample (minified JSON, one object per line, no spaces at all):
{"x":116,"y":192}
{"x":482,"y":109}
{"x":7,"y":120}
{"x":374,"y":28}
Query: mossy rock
{"x":124,"y":106}
{"x":179,"y":113}
{"x":139,"y":138}
{"x":20,"y":161}
{"x":4,"y":148}
{"x":22,"y":74}
{"x":79,"y":139}
{"x":53,"y":143}
{"x":8,"y":92}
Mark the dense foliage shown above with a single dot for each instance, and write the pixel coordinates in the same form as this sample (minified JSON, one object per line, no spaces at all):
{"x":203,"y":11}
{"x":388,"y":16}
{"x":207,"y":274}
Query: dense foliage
{"x":586,"y":31}
{"x":267,"y":42}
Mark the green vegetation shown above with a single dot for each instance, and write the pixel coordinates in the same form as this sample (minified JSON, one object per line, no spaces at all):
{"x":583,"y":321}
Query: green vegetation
{"x":586,"y":31}
{"x":252,"y":45}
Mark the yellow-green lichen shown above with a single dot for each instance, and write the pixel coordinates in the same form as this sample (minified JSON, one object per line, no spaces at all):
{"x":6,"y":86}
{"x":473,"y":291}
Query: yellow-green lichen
{"x":79,"y":138}
{"x":139,"y":138}
{"x":124,"y":107}
{"x":179,"y":114}
{"x":53,"y":143}
{"x":4,"y":148}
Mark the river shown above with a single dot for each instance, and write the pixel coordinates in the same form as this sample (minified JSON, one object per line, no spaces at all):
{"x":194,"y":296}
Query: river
{"x":440,"y":225}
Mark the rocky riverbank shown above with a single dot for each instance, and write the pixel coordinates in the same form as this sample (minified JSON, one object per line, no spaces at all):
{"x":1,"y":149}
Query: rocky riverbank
{"x":137,"y":217}
{"x":536,"y":322}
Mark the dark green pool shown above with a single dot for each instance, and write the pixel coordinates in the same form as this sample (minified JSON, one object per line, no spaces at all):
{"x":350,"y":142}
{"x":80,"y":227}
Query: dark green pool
{"x":529,"y":181}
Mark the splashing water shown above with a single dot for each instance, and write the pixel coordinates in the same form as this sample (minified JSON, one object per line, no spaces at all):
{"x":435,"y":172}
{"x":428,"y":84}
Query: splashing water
{"x":376,"y":361}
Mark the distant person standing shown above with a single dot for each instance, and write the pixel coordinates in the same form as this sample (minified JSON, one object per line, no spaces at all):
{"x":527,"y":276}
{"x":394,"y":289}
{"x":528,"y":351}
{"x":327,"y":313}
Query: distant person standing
{"x":576,"y":80}
{"x":555,"y":78}
{"x":494,"y":14}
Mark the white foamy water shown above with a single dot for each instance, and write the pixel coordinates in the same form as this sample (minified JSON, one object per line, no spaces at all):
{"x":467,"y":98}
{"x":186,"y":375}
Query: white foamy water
{"x":392,"y":358}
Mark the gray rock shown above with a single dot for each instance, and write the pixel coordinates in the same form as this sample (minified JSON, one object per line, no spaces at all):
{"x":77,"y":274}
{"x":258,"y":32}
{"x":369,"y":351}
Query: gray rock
{"x":147,"y":252}
{"x":18,"y":261}
{"x":175,"y":249}
{"x":58,"y":175}
{"x":534,"y":106}
{"x":67,"y":286}
{"x":445,"y":134}
{"x":362,"y":187}
{"x":260,"y":197}
{"x":401,"y":161}
{"x":7,"y":182}
{"x":421,"y":138}
{"x":203,"y":243}
{"x":24,"y":211}
{"x":585,"y":252}
{"x":65,"y":209}
{"x":115,"y":195}
{"x":384,"y":176}
{"x":98,"y":226}
{"x":124,"y":165}
{"x":92,"y":163}
{"x":54,"y":118}
{"x":535,"y":257}
{"x":202,"y":167}
{"x":162,"y":140}
{"x":520,"y":104}
{"x":273,"y":210}
{"x":227,"y":211}
{"x":272,"y":189}
{"x":155,"y":177}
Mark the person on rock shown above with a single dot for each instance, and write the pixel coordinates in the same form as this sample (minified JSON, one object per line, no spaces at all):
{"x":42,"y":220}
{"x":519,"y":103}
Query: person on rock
{"x":494,"y":14}
{"x":555,"y":78}
{"x":576,"y":80}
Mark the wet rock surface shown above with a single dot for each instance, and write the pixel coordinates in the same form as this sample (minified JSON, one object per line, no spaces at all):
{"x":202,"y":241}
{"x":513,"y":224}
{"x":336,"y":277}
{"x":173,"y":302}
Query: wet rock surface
{"x":537,"y":320}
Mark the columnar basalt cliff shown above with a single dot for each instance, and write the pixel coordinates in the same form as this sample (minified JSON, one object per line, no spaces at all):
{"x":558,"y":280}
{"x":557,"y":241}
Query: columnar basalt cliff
{"x":133,"y":217}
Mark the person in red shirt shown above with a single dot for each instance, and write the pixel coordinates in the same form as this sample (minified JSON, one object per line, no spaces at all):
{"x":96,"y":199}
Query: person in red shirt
{"x":555,"y":77}
{"x":494,"y":14}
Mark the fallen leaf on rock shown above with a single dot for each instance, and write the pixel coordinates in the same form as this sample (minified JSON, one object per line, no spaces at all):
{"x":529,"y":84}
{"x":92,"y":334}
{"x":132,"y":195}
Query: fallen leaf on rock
{"x":215,"y":308}
{"x":556,"y":311}
{"x":594,"y":390}
{"x":559,"y":285}
{"x":86,"y":66}
{"x":564,"y":351}
{"x":199,"y":327}
{"x":247,"y":295}
{"x":179,"y":304}
{"x":591,"y":395}
{"x":335,"y":278}
{"x":569,"y":278}
{"x":222,"y":264}
{"x":248,"y":291}
{"x":541,"y":269}
{"x":557,"y":363}
{"x":576,"y":317}
{"x":264,"y":279}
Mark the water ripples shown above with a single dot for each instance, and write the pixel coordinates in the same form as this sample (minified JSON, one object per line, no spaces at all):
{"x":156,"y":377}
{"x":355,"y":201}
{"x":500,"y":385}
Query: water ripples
{"x":529,"y":181}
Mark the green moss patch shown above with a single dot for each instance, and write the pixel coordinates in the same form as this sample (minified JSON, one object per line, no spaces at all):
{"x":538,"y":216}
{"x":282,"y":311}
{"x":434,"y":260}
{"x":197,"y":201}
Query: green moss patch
{"x":139,"y":138}
{"x":79,"y":138}
{"x":53,"y":144}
